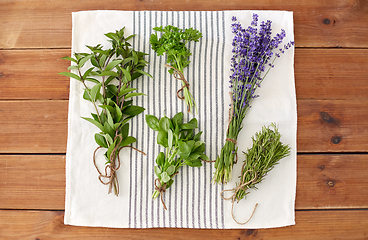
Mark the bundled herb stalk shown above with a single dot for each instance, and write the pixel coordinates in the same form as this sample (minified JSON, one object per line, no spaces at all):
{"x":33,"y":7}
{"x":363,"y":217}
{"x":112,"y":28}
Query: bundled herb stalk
{"x":109,"y":77}
{"x":252,"y":59}
{"x":183,"y":147}
{"x":267,"y":150}
{"x":173,"y":43}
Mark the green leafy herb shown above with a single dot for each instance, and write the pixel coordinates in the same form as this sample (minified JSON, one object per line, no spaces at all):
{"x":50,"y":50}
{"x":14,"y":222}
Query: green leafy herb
{"x":173,"y":43}
{"x":109,"y":74}
{"x":183,"y":147}
{"x":267,"y":150}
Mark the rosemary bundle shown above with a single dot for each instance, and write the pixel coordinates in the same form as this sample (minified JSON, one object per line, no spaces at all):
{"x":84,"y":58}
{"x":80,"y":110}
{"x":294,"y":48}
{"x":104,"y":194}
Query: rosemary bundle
{"x":267,"y":150}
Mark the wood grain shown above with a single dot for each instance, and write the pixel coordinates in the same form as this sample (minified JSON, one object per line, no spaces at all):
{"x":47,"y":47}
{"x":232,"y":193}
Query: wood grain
{"x":47,"y":24}
{"x":323,"y":126}
{"x":324,"y":182}
{"x":30,"y":225}
{"x":32,"y":182}
{"x":332,"y":126}
{"x":319,"y":74}
{"x":33,"y":126}
{"x":32,"y":74}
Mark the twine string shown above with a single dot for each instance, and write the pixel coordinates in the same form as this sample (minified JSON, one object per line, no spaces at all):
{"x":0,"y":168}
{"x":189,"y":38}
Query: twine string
{"x":111,"y":168}
{"x":179,"y":76}
{"x":161,"y":190}
{"x":242,"y":186}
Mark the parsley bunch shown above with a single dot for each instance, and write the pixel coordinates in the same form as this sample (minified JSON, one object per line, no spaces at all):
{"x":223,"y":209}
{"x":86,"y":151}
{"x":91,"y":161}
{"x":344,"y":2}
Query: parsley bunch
{"x":173,"y":43}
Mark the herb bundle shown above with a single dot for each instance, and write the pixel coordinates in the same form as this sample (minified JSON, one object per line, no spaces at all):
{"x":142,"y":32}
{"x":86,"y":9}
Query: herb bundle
{"x":252,"y":56}
{"x":173,"y":43}
{"x":111,"y":71}
{"x":183,"y":147}
{"x":267,"y":150}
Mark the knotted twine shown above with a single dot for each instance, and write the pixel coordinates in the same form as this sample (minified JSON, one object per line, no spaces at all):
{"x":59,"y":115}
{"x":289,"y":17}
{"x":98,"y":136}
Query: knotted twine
{"x":179,"y":76}
{"x":111,"y":175}
{"x":242,"y":186}
{"x":162,"y":188}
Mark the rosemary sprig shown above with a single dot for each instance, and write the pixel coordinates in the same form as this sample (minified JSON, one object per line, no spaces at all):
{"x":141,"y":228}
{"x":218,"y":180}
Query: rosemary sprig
{"x":267,"y":150}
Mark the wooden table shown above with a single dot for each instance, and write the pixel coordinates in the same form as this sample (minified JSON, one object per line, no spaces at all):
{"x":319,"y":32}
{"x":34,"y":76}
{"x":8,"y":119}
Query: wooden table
{"x":331,"y":73}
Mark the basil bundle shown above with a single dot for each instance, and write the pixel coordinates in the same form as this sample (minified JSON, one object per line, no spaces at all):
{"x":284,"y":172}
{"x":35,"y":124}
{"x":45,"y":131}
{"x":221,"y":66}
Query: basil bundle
{"x":183,"y":147}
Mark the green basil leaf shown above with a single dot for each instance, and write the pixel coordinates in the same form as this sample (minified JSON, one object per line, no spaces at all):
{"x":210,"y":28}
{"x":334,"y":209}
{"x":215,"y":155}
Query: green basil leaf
{"x":165,"y":177}
{"x":162,"y":138}
{"x":170,"y":138}
{"x":152,"y":122}
{"x":160,"y":160}
{"x":164,"y":124}
{"x":157,"y":171}
{"x":197,"y":137}
{"x":184,"y":148}
{"x":178,"y":119}
{"x":170,"y":170}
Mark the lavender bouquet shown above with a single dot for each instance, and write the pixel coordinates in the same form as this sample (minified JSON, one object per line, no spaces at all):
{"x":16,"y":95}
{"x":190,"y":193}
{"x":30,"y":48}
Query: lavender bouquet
{"x":253,"y":57}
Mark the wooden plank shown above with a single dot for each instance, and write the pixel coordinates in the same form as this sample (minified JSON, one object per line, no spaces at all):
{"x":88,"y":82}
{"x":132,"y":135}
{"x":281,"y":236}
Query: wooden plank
{"x":319,"y":74}
{"x":33,"y":126}
{"x":47,"y":24}
{"x":323,"y":126}
{"x":324,"y":182}
{"x":332,"y":181}
{"x":32,"y":182}
{"x":331,"y":73}
{"x":30,"y":74}
{"x":332,"y":126}
{"x":316,"y":225}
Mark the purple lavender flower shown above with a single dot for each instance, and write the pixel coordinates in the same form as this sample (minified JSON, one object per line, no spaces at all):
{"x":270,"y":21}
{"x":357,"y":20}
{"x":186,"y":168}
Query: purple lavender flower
{"x":254,"y":52}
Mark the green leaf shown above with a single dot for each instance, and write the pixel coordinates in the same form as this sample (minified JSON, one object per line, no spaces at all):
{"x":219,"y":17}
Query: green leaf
{"x":109,"y":150}
{"x":165,"y":177}
{"x":197,"y":136}
{"x":109,"y":139}
{"x":199,"y":147}
{"x":100,"y":140}
{"x":127,"y":141}
{"x":72,"y":67}
{"x":192,"y":124}
{"x":204,"y":157}
{"x":119,"y":114}
{"x":184,"y":148}
{"x":86,"y":94}
{"x":72,"y":75}
{"x":164,"y":124}
{"x":125,"y":130}
{"x":129,"y":95}
{"x":95,"y":123}
{"x":127,"y":75}
{"x":144,"y":73}
{"x":94,"y":90}
{"x":162,"y":138}
{"x":152,"y":122}
{"x":170,"y":170}
{"x":170,"y":138}
{"x":92,"y":80}
{"x":157,"y":171}
{"x":109,"y":73}
{"x":112,"y":64}
{"x":160,"y":160}
{"x":133,"y":110}
{"x":70,"y":59}
{"x":83,"y":61}
{"x":110,"y":121}
{"x":178,"y":119}
{"x":125,"y":91}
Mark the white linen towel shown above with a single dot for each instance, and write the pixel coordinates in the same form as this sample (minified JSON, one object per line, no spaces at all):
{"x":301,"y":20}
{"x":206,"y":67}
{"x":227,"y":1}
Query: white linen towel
{"x":192,"y":201}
